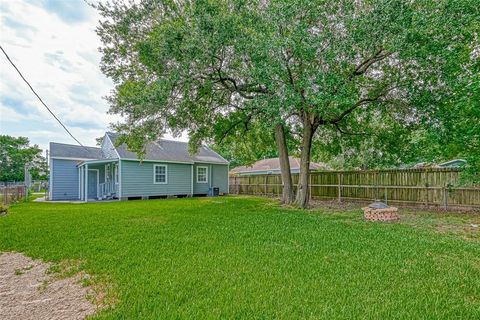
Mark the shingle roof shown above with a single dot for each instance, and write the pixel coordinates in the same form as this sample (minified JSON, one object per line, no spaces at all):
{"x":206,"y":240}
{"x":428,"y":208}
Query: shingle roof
{"x":168,"y":150}
{"x":274,"y":164}
{"x":73,"y":151}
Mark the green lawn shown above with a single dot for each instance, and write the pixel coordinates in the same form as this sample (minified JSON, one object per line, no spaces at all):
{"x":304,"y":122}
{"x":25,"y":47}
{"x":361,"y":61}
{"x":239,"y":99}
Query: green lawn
{"x":244,"y":258}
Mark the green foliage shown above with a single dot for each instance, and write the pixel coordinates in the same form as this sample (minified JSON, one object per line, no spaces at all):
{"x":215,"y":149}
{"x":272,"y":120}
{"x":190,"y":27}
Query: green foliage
{"x":379,"y":68}
{"x":14,"y":154}
{"x":247,"y":258}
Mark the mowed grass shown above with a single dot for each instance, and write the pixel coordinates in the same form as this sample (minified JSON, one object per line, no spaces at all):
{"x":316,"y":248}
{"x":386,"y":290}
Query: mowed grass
{"x":248,"y":258}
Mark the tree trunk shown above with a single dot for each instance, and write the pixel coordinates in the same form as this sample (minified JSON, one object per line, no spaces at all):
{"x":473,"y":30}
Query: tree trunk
{"x":303,"y":195}
{"x":287,"y":195}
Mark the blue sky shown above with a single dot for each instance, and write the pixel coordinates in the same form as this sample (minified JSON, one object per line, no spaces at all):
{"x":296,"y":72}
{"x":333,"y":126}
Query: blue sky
{"x":54,"y":44}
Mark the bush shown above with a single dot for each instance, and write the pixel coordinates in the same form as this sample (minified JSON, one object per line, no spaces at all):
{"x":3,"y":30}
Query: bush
{"x":3,"y":209}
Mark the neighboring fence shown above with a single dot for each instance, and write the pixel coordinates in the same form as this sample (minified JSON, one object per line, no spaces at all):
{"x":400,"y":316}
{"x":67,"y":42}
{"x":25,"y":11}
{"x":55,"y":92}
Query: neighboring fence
{"x":39,"y":185}
{"x":10,"y":193}
{"x":429,"y":187}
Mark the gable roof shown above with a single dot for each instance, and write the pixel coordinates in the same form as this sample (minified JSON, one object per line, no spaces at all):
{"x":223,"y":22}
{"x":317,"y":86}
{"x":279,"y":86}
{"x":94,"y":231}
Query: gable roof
{"x":62,"y":150}
{"x":168,"y":150}
{"x":273,"y":164}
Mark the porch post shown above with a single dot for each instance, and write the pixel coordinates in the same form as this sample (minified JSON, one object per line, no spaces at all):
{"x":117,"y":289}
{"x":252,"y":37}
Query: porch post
{"x":86,"y":182}
{"x":119,"y":173}
{"x":80,"y":184}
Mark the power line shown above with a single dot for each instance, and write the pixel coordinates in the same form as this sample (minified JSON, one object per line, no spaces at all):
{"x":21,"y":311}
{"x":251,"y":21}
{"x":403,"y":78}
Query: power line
{"x":23,"y":78}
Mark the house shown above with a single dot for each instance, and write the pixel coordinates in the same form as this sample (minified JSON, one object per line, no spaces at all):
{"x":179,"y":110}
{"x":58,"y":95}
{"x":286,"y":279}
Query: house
{"x":110,"y":172}
{"x":455,"y":163}
{"x":272,"y":166}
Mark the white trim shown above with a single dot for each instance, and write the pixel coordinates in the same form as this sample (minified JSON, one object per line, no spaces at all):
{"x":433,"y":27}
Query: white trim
{"x":228,"y":179}
{"x":211,"y":162}
{"x":172,"y":161}
{"x":71,"y":158}
{"x":85,"y":193}
{"x":115,"y":173}
{"x":155,"y":173}
{"x":119,"y":179}
{"x":114,"y":148}
{"x":50,"y":177}
{"x":206,"y":174}
{"x":97,"y":161}
{"x":79,"y":184}
{"x":166,"y":161}
{"x":105,"y":176}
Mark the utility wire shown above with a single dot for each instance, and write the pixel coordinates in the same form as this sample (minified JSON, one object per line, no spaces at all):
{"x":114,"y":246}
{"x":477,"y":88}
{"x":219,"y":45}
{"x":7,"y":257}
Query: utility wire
{"x":56,"y":118}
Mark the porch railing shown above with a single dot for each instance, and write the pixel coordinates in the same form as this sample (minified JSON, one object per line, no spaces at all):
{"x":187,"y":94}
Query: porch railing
{"x":108,"y":190}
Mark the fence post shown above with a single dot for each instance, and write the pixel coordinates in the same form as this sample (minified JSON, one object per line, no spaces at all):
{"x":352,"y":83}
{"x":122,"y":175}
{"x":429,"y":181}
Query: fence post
{"x":339,"y":188}
{"x":426,"y":194}
{"x":386,"y":196}
{"x":445,"y":198}
{"x":309,"y":185}
{"x":265,"y":186}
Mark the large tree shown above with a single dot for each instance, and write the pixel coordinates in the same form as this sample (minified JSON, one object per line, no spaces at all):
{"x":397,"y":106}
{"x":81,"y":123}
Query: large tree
{"x":15,"y":153}
{"x":309,"y":68}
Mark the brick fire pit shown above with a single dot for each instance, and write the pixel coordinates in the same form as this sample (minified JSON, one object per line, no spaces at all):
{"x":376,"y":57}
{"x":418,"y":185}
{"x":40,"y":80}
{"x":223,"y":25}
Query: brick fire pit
{"x":379,"y":211}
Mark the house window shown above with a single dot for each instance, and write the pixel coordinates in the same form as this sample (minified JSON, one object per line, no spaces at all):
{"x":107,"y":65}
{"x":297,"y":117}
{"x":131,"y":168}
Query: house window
{"x":202,"y":174}
{"x":160,"y":174}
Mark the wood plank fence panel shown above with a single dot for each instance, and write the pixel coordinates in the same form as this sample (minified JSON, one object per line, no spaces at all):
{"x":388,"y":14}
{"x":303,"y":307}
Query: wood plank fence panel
{"x":11,"y":193}
{"x":429,"y":187}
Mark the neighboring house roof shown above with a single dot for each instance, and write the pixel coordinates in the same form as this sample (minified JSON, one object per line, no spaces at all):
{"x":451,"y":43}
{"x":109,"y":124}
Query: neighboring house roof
{"x":168,"y":150}
{"x":273,"y":164}
{"x":62,"y":150}
{"x":455,"y":163}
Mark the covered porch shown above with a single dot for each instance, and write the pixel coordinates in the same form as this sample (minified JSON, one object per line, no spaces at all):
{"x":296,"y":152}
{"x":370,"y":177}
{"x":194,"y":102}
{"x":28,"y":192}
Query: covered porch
{"x":99,"y":180}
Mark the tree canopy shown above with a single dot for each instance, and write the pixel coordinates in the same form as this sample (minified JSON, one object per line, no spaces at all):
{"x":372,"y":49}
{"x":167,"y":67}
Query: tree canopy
{"x":14,"y":154}
{"x":319,"y":68}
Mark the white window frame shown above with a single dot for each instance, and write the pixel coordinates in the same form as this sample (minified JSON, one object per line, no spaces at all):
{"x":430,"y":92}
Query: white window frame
{"x":155,"y":173}
{"x":206,"y":174}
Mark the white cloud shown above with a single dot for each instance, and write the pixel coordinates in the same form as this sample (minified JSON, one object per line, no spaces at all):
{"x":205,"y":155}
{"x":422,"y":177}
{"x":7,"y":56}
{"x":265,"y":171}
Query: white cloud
{"x":56,"y":48}
{"x":50,"y":51}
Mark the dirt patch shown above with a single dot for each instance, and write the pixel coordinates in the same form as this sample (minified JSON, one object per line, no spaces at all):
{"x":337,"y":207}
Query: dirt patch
{"x":30,"y":290}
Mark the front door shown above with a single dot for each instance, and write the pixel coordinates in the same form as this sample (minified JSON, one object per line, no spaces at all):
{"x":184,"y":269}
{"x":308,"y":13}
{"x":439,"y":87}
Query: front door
{"x":92,"y":184}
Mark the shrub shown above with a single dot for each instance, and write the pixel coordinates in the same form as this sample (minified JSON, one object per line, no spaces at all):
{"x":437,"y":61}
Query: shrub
{"x":3,"y":209}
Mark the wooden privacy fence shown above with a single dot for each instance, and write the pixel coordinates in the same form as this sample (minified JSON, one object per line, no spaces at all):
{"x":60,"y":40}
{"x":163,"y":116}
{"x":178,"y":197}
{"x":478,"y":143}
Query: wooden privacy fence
{"x":11,"y":193}
{"x":429,"y":187}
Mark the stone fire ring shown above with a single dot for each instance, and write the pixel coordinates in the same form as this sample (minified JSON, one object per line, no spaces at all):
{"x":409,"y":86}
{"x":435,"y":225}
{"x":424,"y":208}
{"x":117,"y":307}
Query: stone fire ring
{"x":379,"y":211}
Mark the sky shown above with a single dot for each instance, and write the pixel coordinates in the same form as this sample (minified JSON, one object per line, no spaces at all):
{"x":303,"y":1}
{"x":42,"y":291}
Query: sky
{"x":54,"y":44}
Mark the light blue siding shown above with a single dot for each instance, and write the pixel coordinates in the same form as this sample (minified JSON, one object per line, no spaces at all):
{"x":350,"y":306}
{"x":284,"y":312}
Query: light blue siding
{"x":137,"y":179}
{"x":217,"y":177}
{"x":220,"y":177}
{"x":201,"y":188}
{"x":64,"y":179}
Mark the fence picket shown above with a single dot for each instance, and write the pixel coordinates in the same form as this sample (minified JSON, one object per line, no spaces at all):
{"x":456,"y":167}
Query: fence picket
{"x":431,"y":186}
